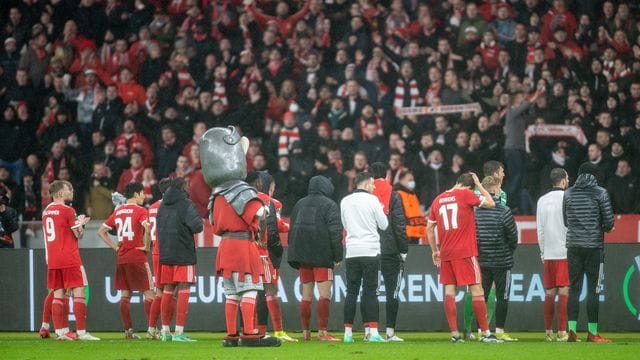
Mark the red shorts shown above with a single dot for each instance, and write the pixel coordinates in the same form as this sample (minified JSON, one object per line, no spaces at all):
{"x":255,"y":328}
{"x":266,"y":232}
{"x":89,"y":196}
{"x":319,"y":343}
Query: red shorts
{"x":67,"y":278}
{"x":157,"y":269}
{"x":172,"y":274}
{"x":270,"y":275}
{"x":460,"y":272}
{"x":556,"y":273}
{"x":133,"y":277}
{"x":317,"y":274}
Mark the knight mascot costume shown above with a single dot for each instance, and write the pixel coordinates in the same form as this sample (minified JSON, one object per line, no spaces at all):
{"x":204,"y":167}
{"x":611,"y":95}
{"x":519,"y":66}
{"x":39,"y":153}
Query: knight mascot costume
{"x":238,"y":216}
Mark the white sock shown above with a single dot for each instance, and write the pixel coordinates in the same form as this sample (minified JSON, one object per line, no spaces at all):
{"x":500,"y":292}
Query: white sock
{"x":390,"y":332}
{"x":45,"y":325}
{"x":151,"y":329}
{"x":367,"y":330}
{"x":550,"y":332}
{"x":166,"y":329}
{"x":374,"y":331}
{"x":65,"y":330}
{"x":81,"y":332}
{"x":348,"y":331}
{"x":560,"y":333}
{"x":179,"y":330}
{"x":499,"y":331}
{"x":59,"y":332}
{"x":486,"y":333}
{"x":455,"y":334}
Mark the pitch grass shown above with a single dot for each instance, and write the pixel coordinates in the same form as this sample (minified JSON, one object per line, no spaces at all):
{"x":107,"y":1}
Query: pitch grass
{"x":416,"y":346}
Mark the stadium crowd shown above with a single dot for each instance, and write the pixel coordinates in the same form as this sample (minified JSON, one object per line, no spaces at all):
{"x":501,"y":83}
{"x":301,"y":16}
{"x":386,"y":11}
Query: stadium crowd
{"x":104,"y":93}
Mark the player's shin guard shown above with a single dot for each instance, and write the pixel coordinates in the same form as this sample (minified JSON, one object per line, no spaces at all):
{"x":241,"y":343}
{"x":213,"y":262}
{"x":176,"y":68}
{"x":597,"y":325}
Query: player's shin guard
{"x":562,"y":312}
{"x":480,"y":309}
{"x":46,"y":308}
{"x":305,"y":313}
{"x":166,"y":309}
{"x":549,"y":306}
{"x":450,"y":312}
{"x":125,"y":312}
{"x":182,"y":307}
{"x":80,"y":310}
{"x":323,"y":313}
{"x":155,"y":311}
{"x":273,"y":303}
{"x":57,"y":312}
{"x":248,"y":309}
{"x":231,"y":316}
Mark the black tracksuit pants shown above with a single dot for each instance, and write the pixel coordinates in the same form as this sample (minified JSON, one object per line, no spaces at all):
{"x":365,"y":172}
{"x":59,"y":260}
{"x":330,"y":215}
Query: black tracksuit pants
{"x":502,"y":279}
{"x":391,"y":267}
{"x":362,"y":271}
{"x":584,"y":261}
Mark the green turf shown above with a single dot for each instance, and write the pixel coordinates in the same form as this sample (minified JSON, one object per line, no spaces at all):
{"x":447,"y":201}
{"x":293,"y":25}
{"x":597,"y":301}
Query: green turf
{"x":416,"y":346}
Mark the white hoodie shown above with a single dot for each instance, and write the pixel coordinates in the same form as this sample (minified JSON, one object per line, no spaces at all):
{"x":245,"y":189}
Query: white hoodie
{"x":362,"y":216}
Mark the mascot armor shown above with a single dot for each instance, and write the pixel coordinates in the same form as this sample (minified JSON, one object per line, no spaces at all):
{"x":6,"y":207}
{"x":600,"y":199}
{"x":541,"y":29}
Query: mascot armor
{"x":238,"y":216}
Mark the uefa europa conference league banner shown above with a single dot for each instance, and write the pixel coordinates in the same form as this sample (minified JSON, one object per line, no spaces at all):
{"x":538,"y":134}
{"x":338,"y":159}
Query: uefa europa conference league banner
{"x":23,"y":281}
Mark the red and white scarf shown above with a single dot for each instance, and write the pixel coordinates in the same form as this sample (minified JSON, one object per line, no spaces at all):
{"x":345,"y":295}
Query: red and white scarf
{"x":286,"y":139}
{"x":220,"y":93}
{"x":414,"y":93}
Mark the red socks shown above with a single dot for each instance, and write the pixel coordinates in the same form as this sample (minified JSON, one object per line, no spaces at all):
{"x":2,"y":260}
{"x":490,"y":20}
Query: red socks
{"x":80,"y":310}
{"x":248,"y":309}
{"x":65,"y":311}
{"x":549,"y":305}
{"x":125,"y":312}
{"x":231,"y":315}
{"x":323,"y":313}
{"x":46,"y":309}
{"x":450,"y":312}
{"x":147,"y":307}
{"x":480,"y":310}
{"x":57,"y":312}
{"x":562,"y":312}
{"x":166,"y":307}
{"x":182,"y":307}
{"x":305,"y":313}
{"x":273,"y":304}
{"x":155,"y":311}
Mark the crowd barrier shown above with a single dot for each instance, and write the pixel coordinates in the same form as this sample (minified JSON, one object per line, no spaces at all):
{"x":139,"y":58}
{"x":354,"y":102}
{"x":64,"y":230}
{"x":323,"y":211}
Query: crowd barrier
{"x":23,"y":280}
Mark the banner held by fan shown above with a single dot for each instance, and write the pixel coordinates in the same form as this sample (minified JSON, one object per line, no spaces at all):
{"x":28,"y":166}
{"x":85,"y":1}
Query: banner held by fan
{"x":552,"y":130}
{"x":439,"y":109}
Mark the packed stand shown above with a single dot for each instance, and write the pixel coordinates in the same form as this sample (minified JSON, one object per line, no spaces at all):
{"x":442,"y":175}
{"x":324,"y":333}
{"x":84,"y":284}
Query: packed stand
{"x":103,"y":93}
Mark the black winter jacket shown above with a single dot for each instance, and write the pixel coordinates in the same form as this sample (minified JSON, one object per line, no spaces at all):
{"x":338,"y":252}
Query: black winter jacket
{"x":178,"y":220}
{"x":587,"y":213}
{"x":315,"y":237}
{"x":393,"y":241}
{"x":497,"y":236}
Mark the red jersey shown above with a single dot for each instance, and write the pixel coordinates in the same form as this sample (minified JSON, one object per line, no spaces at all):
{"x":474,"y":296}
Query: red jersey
{"x":453,"y":212}
{"x":61,"y":244}
{"x":129,"y":220}
{"x":153,"y":236}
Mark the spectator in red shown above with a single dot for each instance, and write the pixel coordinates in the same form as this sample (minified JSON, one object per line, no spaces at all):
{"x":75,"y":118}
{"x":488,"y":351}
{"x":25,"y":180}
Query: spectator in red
{"x":133,"y":141}
{"x":558,"y":16}
{"x":133,"y":173}
{"x":282,"y":20}
{"x":129,"y":90}
{"x":489,"y":50}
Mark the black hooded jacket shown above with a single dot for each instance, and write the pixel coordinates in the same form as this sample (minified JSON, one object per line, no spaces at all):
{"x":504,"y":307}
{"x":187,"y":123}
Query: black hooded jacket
{"x":587,"y":213}
{"x":178,"y":220}
{"x":315,"y":238}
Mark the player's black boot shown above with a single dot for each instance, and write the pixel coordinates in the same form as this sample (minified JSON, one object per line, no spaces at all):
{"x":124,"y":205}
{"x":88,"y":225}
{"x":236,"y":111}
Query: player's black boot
{"x":231,"y":340}
{"x":255,"y":341}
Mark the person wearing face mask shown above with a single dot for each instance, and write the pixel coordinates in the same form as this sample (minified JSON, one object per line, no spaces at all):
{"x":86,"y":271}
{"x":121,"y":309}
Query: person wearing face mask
{"x":416,"y":224}
{"x":393,"y":245}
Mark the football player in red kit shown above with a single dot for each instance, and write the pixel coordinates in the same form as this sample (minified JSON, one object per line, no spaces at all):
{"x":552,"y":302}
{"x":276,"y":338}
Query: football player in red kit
{"x":132,"y":270}
{"x":452,"y":212}
{"x":62,"y":230}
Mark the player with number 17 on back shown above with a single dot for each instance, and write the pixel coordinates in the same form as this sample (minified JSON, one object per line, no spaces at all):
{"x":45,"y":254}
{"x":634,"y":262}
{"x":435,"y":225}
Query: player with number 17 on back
{"x":452,"y":212}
